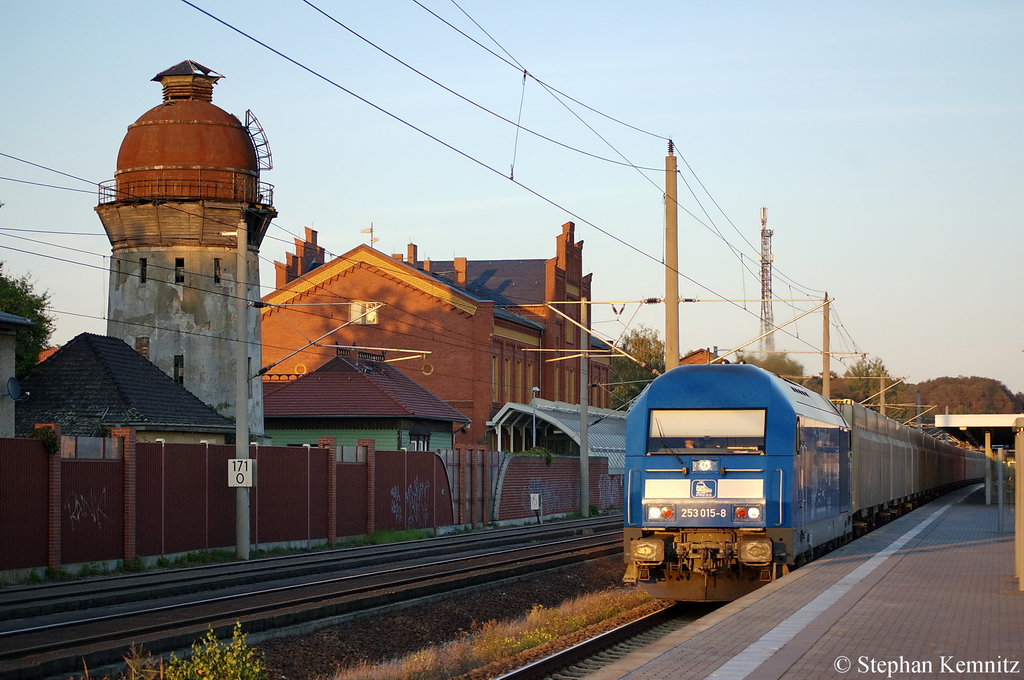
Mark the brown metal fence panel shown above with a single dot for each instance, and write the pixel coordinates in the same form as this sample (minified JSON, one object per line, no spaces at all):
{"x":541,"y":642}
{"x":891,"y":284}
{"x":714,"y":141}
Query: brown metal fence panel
{"x":412,"y":491}
{"x":23,"y":506}
{"x":352,"y":489}
{"x":184,"y":503}
{"x":287,"y":479}
{"x":92,"y":510}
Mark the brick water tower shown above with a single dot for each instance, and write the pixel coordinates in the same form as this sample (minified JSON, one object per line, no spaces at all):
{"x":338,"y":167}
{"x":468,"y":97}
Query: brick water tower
{"x":187,"y":174}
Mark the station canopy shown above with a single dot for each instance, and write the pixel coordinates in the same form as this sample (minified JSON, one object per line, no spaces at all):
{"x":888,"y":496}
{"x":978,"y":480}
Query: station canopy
{"x":971,"y":428}
{"x":606,"y":429}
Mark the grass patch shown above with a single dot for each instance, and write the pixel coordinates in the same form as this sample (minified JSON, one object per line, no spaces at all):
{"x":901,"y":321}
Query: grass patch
{"x":496,"y":640}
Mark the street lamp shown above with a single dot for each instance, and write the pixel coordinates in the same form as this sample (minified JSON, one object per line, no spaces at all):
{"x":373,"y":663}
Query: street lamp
{"x":536,"y":391}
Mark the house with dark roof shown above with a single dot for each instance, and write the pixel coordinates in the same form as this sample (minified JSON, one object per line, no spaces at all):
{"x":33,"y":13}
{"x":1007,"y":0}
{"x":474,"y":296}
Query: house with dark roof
{"x":95,"y":382}
{"x":478,"y":334}
{"x":350,"y":399}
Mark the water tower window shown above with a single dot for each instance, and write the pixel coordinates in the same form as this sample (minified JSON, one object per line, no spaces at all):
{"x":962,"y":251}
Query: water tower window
{"x":142,"y":269}
{"x":179,"y":270}
{"x":216,"y":270}
{"x":179,"y":369}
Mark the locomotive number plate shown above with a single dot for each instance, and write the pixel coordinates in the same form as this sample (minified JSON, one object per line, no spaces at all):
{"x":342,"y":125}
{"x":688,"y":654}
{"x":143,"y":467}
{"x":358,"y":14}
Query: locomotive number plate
{"x":704,"y":513}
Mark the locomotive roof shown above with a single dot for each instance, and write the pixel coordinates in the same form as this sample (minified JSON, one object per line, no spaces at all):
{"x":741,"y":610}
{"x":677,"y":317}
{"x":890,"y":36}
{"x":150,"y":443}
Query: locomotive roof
{"x":727,"y":386}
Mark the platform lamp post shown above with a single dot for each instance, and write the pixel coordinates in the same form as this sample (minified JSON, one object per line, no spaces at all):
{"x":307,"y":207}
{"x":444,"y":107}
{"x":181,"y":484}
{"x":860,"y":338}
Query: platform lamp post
{"x":536,"y":391}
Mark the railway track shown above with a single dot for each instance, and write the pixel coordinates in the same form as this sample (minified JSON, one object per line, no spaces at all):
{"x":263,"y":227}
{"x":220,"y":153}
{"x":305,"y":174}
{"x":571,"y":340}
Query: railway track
{"x":581,"y":659}
{"x":52,"y":630}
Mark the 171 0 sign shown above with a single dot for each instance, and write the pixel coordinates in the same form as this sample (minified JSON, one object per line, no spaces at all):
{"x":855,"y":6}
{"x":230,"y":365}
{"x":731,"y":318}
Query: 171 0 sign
{"x":240,"y":471}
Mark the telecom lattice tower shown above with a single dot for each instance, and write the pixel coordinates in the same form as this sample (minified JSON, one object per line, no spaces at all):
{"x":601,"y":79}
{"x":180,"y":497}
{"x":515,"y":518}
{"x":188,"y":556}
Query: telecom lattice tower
{"x":188,"y":173}
{"x":767,"y":320}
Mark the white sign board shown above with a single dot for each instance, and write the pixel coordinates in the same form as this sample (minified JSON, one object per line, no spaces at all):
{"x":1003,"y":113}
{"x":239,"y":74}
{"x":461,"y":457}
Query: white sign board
{"x":240,"y":471}
{"x":534,"y":501}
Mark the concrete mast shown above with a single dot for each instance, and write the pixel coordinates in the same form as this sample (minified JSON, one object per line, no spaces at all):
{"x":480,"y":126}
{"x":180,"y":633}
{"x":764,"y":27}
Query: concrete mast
{"x":767,"y":320}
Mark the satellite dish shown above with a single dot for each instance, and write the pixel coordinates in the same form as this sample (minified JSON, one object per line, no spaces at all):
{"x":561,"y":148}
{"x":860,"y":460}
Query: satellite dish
{"x":14,"y":388}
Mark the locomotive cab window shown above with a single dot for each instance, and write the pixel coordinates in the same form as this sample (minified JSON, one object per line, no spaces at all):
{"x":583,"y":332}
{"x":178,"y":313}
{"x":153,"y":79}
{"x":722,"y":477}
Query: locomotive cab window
{"x":705,"y":431}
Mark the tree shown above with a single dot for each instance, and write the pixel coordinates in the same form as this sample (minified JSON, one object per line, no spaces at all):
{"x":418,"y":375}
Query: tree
{"x":18,"y":296}
{"x":779,"y":364}
{"x":629,"y":378}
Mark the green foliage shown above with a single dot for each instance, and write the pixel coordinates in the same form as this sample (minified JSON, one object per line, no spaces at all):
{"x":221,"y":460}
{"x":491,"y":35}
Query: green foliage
{"x":779,"y":364}
{"x":163,"y":563}
{"x":93,"y":569}
{"x":57,"y":574}
{"x":213,"y":660}
{"x":18,"y":296}
{"x":541,"y":452}
{"x":134,"y":565}
{"x":49,"y":438}
{"x":628,"y":379}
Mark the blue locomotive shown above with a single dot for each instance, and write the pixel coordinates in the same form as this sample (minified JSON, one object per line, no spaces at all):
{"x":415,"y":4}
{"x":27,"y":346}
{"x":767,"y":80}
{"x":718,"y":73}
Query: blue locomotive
{"x":735,"y":475}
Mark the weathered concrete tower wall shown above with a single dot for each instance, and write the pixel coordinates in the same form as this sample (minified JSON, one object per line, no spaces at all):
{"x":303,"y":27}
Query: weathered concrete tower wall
{"x":187,"y":173}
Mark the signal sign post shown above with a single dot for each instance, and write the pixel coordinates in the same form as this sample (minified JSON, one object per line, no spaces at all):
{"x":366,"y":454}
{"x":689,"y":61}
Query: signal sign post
{"x":240,"y":472}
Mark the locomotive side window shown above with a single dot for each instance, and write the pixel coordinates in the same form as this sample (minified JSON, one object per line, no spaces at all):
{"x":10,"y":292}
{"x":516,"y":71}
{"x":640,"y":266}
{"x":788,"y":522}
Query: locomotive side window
{"x":684,"y":431}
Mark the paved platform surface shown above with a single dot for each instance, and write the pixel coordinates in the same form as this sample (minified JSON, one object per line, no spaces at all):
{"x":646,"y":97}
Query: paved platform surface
{"x":929,"y":595}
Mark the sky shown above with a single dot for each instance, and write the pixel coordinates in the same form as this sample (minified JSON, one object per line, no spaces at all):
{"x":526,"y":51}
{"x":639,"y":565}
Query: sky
{"x":883,"y":138}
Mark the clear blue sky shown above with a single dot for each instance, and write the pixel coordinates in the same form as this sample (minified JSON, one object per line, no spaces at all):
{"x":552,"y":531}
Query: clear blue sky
{"x":884,"y":138}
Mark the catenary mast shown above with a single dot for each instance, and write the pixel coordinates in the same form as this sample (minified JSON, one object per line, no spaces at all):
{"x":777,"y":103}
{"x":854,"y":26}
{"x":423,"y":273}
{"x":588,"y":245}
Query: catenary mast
{"x":767,"y":320}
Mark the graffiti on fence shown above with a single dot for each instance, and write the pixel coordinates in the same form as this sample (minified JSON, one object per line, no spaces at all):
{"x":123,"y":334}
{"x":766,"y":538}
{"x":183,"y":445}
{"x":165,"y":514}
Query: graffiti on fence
{"x":417,"y":497}
{"x":417,"y":502}
{"x":396,"y":505}
{"x":90,"y":509}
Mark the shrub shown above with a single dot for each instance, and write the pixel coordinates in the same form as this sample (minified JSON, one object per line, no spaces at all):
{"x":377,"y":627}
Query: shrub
{"x":213,"y":660}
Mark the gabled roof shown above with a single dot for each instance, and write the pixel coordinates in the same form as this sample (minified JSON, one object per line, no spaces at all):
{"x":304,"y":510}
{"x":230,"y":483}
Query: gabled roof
{"x":345,"y":388}
{"x":364,"y":255}
{"x":507,"y":282}
{"x":96,"y":381}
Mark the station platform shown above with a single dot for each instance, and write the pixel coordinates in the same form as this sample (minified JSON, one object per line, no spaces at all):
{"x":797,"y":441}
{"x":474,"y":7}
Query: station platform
{"x":930,"y":594}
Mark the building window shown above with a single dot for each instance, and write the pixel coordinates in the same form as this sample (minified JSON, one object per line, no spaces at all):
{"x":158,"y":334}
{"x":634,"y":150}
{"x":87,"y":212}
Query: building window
{"x":143,"y":273}
{"x":142,"y":345}
{"x":179,"y":270}
{"x":419,"y":442}
{"x":495,"y":379}
{"x":519,"y":383}
{"x":216,"y":270}
{"x":179,"y":369}
{"x":363,"y":313}
{"x":508,"y":380}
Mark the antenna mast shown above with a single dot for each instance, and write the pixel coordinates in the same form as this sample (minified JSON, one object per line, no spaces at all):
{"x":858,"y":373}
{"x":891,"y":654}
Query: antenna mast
{"x":767,"y":320}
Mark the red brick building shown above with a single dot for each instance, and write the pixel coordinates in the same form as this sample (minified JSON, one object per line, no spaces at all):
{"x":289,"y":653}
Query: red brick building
{"x":475,"y":333}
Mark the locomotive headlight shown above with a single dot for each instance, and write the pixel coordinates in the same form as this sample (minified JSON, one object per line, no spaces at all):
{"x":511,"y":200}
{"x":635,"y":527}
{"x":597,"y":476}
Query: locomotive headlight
{"x":754,"y":512}
{"x":661,"y":511}
{"x":703,"y":465}
{"x":754,"y":551}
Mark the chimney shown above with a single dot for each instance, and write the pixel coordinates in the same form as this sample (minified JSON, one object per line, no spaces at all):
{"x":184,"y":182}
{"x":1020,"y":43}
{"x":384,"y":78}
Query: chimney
{"x":426,"y":265}
{"x":411,"y":259}
{"x":460,"y":272}
{"x":398,"y":256}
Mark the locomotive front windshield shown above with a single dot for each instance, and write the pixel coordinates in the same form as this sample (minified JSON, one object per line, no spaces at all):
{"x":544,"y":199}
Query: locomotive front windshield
{"x":706,"y":431}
